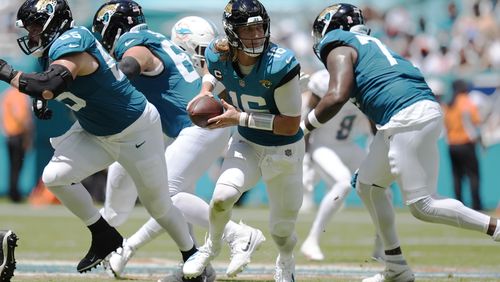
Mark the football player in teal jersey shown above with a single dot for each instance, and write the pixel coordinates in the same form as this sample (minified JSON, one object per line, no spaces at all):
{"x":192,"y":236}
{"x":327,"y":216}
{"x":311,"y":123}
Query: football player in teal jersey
{"x":115,"y":122}
{"x":168,"y":79}
{"x":264,"y":102}
{"x":393,"y":94}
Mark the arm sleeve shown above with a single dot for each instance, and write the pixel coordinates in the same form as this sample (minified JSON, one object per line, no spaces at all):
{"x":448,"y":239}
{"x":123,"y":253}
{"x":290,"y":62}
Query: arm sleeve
{"x":288,"y":98}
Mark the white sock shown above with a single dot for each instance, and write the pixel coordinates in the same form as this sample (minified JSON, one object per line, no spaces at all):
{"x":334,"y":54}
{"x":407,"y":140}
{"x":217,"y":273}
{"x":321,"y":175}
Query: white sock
{"x":150,"y":230}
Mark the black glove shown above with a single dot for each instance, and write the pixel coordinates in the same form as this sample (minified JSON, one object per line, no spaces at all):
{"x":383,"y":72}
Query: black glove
{"x":7,"y":73}
{"x":41,"y":109}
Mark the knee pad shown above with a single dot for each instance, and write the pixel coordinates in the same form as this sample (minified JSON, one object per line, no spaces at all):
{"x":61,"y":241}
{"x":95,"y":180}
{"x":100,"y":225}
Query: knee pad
{"x":224,"y":197}
{"x":52,"y":177}
{"x":282,"y":228}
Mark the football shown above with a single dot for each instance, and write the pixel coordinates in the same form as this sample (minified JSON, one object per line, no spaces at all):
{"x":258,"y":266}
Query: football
{"x":204,"y":108}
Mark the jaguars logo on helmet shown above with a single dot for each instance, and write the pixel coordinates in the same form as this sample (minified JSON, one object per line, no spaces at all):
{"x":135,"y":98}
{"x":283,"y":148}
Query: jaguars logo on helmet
{"x":46,"y":20}
{"x":338,"y":16}
{"x":114,"y":18}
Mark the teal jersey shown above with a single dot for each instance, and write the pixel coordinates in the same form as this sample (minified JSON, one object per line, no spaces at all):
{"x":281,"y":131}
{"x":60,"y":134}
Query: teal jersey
{"x":172,"y":89}
{"x":104,"y":102}
{"x":255,"y":91}
{"x":385,"y":82}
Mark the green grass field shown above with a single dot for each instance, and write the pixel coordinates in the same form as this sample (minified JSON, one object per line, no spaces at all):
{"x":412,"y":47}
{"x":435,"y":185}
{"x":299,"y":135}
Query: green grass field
{"x":52,"y":241}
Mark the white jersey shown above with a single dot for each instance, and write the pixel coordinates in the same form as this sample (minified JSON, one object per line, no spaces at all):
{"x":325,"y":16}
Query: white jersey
{"x":343,"y":129}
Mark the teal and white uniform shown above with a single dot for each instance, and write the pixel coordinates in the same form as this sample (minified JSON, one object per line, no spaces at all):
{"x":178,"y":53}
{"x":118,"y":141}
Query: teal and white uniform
{"x":255,"y":92}
{"x":114,"y":123}
{"x":169,"y":89}
{"x":393,"y":93}
{"x":103,"y":102}
{"x":385,"y":82}
{"x":254,"y":154}
{"x":190,"y":150}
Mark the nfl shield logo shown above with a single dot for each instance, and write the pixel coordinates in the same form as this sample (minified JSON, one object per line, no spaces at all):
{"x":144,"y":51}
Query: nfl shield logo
{"x":288,"y":152}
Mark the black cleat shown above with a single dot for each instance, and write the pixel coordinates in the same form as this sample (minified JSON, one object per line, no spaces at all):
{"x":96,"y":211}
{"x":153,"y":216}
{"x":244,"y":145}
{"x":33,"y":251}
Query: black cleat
{"x":103,"y":244}
{"x":7,"y":260}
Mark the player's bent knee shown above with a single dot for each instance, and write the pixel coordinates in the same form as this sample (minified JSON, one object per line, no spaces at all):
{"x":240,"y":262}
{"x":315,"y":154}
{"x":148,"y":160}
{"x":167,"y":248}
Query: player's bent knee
{"x":282,"y":228}
{"x":423,"y":209}
{"x":224,"y":197}
{"x":434,"y":210}
{"x":51,"y":177}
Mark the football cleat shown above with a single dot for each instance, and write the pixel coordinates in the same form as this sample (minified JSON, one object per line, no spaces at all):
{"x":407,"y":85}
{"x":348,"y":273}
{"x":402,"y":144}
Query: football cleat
{"x":102,"y":245}
{"x":243,"y":244}
{"x":7,"y":260}
{"x":496,"y":234}
{"x":116,"y":262}
{"x":208,"y":275}
{"x":285,"y":270}
{"x":311,"y":250}
{"x":393,"y":272}
{"x":196,"y":264}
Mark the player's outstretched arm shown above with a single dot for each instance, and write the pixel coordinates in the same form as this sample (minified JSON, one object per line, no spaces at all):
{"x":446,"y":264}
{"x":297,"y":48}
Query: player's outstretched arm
{"x":340,"y":65}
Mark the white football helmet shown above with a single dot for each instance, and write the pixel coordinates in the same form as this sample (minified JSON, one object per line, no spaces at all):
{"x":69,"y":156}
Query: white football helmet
{"x":194,"y":34}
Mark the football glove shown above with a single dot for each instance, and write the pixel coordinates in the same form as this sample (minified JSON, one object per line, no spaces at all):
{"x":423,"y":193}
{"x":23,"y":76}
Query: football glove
{"x":7,"y":73}
{"x":41,"y":109}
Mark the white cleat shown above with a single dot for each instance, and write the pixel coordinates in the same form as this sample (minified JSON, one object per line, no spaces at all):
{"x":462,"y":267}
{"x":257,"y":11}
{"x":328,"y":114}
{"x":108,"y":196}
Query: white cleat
{"x":311,"y":250}
{"x":116,"y":261}
{"x":496,"y":235}
{"x":196,"y":264}
{"x":243,"y":245}
{"x":208,"y":275}
{"x":285,"y":270}
{"x":393,"y":273}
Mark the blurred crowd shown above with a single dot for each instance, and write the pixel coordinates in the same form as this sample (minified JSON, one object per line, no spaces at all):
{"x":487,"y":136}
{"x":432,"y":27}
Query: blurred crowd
{"x":462,"y":40}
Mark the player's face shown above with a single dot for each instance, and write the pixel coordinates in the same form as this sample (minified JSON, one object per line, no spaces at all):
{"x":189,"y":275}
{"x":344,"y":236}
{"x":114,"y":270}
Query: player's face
{"x":252,"y":36}
{"x":34,"y":32}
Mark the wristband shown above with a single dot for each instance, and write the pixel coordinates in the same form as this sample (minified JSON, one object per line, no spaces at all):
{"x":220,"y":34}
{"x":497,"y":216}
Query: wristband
{"x":210,"y":79}
{"x":261,"y":121}
{"x":313,"y":120}
{"x":243,"y":119}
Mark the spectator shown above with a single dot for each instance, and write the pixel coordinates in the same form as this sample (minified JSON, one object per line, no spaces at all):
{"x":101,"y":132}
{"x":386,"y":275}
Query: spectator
{"x":18,"y":128}
{"x":461,"y":121}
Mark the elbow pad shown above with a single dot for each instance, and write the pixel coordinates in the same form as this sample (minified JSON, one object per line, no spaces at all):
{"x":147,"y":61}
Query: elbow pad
{"x":56,"y":79}
{"x":130,"y":67}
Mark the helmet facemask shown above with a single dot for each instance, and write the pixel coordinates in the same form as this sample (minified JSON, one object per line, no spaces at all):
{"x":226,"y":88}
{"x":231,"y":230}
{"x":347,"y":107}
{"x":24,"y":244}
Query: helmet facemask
{"x":250,"y":18}
{"x":252,"y":44}
{"x":44,"y":25}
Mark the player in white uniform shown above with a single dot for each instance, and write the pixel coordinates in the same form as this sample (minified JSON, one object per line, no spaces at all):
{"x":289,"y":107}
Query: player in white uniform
{"x":262,"y":82}
{"x":115,"y":122}
{"x":187,"y":151}
{"x":335,"y":156}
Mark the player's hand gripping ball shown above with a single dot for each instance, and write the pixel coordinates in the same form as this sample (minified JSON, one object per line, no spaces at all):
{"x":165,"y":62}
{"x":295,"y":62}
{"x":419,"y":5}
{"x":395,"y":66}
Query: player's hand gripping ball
{"x":204,"y":108}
